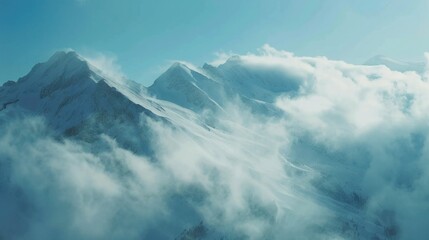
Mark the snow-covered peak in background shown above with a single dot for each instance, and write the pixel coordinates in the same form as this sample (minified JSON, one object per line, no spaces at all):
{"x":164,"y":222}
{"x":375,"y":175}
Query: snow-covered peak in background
{"x":188,"y":87}
{"x":396,"y":65}
{"x":239,"y":77}
{"x":262,"y":82}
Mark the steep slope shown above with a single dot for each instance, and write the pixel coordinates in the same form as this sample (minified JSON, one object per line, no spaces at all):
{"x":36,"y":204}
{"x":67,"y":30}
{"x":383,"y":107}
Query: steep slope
{"x":77,"y":100}
{"x":188,"y":88}
{"x":213,"y":88}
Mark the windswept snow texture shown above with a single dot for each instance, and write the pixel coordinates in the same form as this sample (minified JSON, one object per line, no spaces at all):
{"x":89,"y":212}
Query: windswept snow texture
{"x":395,"y":64}
{"x":263,"y":146}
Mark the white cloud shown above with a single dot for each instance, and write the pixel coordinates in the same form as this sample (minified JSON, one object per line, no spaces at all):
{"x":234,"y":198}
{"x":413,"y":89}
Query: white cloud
{"x":107,"y":64}
{"x":220,"y":58}
{"x":348,"y":157}
{"x":362,"y":128}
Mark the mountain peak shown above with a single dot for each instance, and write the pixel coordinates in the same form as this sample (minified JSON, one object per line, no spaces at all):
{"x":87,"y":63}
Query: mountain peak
{"x":179,"y":67}
{"x":380,"y":59}
{"x":62,"y":54}
{"x":233,"y":59}
{"x":67,"y":58}
{"x":186,"y":86}
{"x":178,"y":64}
{"x":209,"y":67}
{"x":395,"y":65}
{"x":61,"y":65}
{"x":68,"y":91}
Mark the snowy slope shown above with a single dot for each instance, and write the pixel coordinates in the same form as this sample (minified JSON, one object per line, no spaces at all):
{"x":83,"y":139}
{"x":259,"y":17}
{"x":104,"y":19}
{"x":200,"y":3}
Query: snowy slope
{"x":253,"y":82}
{"x":188,"y":88}
{"x":212,"y":87}
{"x":77,"y":100}
{"x":66,"y":90}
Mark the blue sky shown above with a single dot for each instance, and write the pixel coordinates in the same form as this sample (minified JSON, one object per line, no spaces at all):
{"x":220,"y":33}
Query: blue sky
{"x":144,"y":36}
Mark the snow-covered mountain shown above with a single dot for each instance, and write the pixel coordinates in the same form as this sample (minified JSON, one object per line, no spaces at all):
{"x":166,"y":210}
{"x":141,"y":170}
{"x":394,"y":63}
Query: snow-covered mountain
{"x":267,"y":146}
{"x":396,"y":64}
{"x":212,"y":87}
{"x":188,"y":87}
{"x":76,"y":99}
{"x":68,"y":91}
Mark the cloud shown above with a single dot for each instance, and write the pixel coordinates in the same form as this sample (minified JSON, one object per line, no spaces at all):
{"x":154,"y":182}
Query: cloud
{"x":362,"y":130}
{"x":346,"y":159}
{"x":55,"y":185}
{"x":220,"y":58}
{"x":226,"y":178}
{"x":107,"y":64}
{"x":238,"y":171}
{"x":372,"y":120}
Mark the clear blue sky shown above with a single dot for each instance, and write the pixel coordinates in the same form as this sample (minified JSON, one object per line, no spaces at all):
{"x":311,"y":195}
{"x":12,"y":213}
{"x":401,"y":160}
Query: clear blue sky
{"x":144,"y":35}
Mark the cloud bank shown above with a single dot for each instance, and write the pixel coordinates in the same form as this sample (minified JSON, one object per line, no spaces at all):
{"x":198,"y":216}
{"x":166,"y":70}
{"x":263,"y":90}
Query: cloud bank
{"x":346,"y":159}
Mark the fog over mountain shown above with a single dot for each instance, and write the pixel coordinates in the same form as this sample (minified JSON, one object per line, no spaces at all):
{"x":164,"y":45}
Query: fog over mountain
{"x":266,"y":145}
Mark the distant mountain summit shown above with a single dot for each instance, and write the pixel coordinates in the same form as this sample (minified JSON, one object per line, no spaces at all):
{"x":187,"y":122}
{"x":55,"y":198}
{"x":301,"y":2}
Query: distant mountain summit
{"x":396,"y":65}
{"x":213,"y":87}
{"x":188,"y":87}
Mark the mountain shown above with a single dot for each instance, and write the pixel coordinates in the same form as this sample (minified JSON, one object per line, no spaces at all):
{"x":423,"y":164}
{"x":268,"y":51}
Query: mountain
{"x":259,"y":147}
{"x":188,"y":87}
{"x":77,"y":100}
{"x":254,"y":82}
{"x":58,"y":87}
{"x":396,"y":65}
{"x":209,"y":87}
